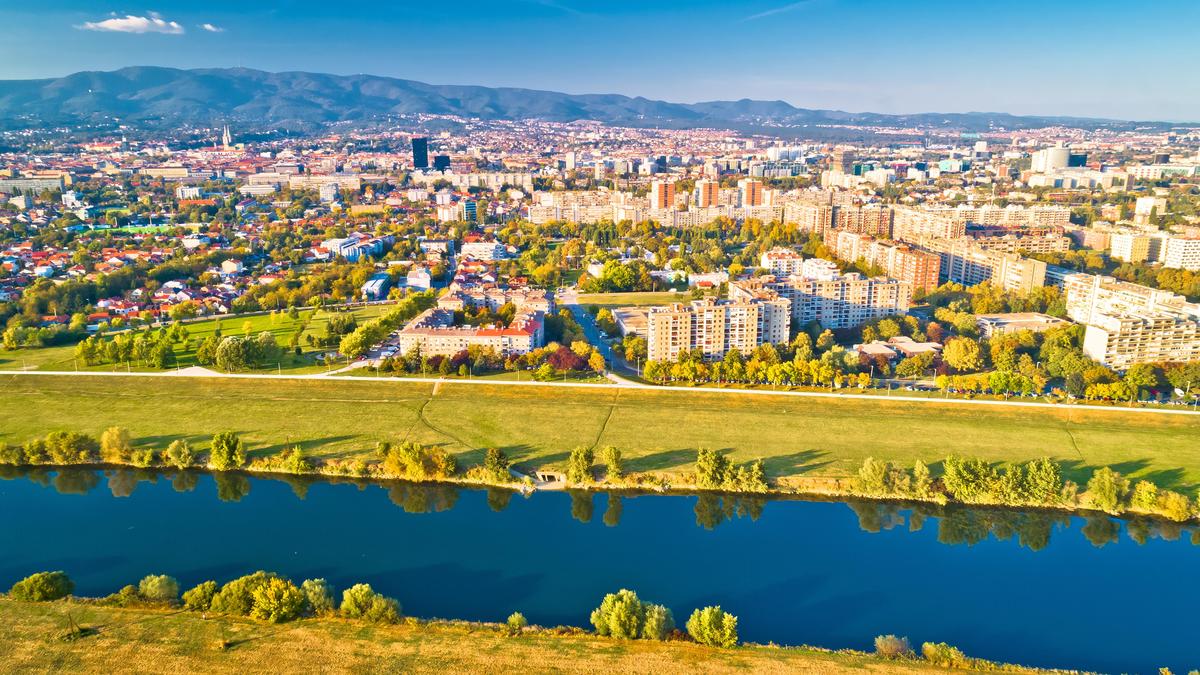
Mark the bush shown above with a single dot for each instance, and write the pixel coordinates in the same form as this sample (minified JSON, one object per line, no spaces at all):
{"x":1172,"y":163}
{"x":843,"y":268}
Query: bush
{"x":319,"y":595}
{"x":115,"y":445}
{"x":128,"y":596}
{"x":515,"y":624}
{"x":180,"y":454}
{"x":1107,"y":490}
{"x":158,"y":588}
{"x":200,"y":597}
{"x":621,"y":615}
{"x":277,"y":600}
{"x":42,"y":586}
{"x":360,"y":601}
{"x":659,"y":623}
{"x":142,"y":458}
{"x":228,"y":452}
{"x":714,"y":627}
{"x":942,"y":654}
{"x":237,"y":596}
{"x":1174,"y":506}
{"x":13,"y":455}
{"x":579,"y":465}
{"x":892,"y":647}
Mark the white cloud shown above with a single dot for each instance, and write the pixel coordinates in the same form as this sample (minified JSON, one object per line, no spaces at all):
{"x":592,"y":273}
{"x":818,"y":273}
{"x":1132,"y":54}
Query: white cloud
{"x":777,"y":10}
{"x":211,"y":28}
{"x":153,"y":23}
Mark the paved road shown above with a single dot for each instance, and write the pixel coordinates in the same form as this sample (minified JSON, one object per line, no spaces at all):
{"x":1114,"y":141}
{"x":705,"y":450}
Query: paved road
{"x":677,"y":391}
{"x":570,"y":300}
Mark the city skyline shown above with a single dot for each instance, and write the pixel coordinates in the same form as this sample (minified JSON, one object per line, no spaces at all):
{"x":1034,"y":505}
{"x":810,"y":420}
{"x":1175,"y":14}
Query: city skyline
{"x":1022,"y":58}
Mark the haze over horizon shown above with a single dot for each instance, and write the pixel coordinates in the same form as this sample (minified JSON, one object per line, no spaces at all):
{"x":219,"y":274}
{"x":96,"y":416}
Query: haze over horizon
{"x":1023,"y":57}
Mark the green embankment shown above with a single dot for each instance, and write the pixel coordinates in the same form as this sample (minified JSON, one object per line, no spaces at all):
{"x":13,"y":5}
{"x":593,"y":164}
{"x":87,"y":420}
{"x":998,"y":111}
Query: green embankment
{"x":657,"y":431}
{"x":149,"y":641}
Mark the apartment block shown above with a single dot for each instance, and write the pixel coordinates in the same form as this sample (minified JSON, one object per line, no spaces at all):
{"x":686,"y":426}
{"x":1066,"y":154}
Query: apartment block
{"x":963,"y":262}
{"x":1123,"y":340}
{"x":662,"y":194}
{"x":781,"y":262}
{"x":832,"y":300}
{"x":1182,"y":253}
{"x":920,"y":269}
{"x":715,"y":327}
{"x":433,"y":333}
{"x":750,"y":192}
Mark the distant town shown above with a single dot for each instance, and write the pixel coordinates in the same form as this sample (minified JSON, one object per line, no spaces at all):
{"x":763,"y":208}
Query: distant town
{"x":1055,"y":261}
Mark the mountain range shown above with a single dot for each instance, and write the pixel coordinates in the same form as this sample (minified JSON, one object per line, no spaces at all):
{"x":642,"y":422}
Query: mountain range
{"x":150,"y":95}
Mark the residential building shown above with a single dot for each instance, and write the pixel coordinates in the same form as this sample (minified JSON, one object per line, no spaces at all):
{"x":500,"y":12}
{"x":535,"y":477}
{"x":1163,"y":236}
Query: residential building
{"x":715,"y":327}
{"x":433,"y":333}
{"x":833,"y":300}
{"x":750,"y":192}
{"x":965,"y":263}
{"x":920,"y":269}
{"x":1182,"y":253}
{"x":662,"y":194}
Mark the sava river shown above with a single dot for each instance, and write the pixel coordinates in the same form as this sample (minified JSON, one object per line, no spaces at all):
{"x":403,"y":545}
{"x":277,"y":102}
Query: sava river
{"x":1034,"y":588}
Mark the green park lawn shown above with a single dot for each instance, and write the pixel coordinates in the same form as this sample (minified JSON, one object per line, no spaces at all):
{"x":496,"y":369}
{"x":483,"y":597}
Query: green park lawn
{"x":658,"y":431}
{"x":283,"y":327}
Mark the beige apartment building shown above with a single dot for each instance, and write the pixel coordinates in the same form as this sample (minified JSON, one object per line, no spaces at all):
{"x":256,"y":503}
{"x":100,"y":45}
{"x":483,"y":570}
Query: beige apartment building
{"x":715,"y":327}
{"x":963,"y":262}
{"x":837,"y":301}
{"x":433,"y":332}
{"x":919,"y":269}
{"x":1129,"y":324}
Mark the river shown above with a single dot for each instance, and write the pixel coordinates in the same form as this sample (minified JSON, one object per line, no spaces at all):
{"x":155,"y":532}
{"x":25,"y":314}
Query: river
{"x":1034,"y":588}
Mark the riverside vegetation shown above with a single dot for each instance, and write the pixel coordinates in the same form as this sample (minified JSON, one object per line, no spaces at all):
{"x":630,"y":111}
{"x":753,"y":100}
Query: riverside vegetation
{"x":622,"y":618}
{"x":967,"y":480}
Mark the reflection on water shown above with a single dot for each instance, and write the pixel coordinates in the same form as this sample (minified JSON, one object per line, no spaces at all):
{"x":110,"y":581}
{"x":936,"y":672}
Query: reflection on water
{"x":956,"y":524}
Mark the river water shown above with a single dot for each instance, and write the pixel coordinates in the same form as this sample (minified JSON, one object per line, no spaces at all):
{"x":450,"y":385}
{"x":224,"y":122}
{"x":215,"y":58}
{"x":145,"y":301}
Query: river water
{"x":1034,"y":588}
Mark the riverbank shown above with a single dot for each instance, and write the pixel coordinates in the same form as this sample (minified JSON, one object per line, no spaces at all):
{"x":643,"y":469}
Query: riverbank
{"x":145,"y":640}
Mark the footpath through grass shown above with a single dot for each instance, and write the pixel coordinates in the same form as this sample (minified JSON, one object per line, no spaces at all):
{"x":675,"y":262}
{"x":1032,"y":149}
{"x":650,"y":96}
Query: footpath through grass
{"x":658,"y":431}
{"x":144,"y":641}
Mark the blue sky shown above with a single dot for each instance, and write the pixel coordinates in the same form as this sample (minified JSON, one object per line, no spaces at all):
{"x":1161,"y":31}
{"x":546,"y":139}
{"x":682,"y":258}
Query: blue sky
{"x":1099,"y":58}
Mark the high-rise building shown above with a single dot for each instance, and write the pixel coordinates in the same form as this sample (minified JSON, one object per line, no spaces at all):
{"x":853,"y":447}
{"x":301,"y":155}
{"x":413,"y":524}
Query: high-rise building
{"x":842,"y":160}
{"x":1128,"y":324}
{"x":832,"y":300}
{"x":662,"y":194}
{"x":920,"y":269}
{"x":569,"y":161}
{"x":420,"y":152}
{"x":715,"y":327}
{"x":1182,"y":253}
{"x":750,"y":192}
{"x":708,"y":193}
{"x":441,"y":162}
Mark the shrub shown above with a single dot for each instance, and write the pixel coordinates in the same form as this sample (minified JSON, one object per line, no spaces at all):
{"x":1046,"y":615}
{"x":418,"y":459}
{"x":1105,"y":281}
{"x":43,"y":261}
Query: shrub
{"x":515,"y":624}
{"x":42,"y":586}
{"x":659,"y":623}
{"x":1107,"y":490}
{"x":64,"y":447}
{"x":142,"y":458}
{"x":128,"y":596}
{"x":942,"y":654}
{"x":237,"y":596}
{"x":360,"y":601}
{"x":200,"y":597}
{"x":180,"y":454}
{"x":495,"y":466}
{"x":892,"y":647}
{"x":621,"y":615}
{"x":115,"y":445}
{"x":228,"y":452}
{"x":713,"y":626}
{"x":319,"y":595}
{"x":159,"y":588}
{"x":1174,"y":506}
{"x":277,"y":600}
{"x":13,"y":455}
{"x":579,"y":465}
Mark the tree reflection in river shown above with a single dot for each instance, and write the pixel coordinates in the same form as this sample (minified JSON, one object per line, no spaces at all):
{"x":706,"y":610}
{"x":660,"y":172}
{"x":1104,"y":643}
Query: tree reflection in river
{"x":498,"y":499}
{"x":712,"y":510}
{"x":415,"y":498}
{"x":582,"y":505}
{"x":185,"y":481}
{"x":231,"y":487}
{"x":612,"y":514}
{"x":76,"y":482}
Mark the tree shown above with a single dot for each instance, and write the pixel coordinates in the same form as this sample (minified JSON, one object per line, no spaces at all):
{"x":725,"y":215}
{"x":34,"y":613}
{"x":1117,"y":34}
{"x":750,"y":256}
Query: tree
{"x":712,"y":468}
{"x":228,"y":452}
{"x":180,"y":454}
{"x":596,"y":362}
{"x":713,"y":626}
{"x":232,"y":354}
{"x":158,"y":588}
{"x":1107,"y":490}
{"x":319,"y":596}
{"x":360,"y":601}
{"x":515,"y":623}
{"x":42,"y":587}
{"x":200,"y":597}
{"x":579,"y":465}
{"x":115,"y":445}
{"x":613,"y":464}
{"x":495,"y":466}
{"x":277,"y":600}
{"x":963,"y":355}
{"x":659,"y":623}
{"x":921,"y":481}
{"x":620,"y":615}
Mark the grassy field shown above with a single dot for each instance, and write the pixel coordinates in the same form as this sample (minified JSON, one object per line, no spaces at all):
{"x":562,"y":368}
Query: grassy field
{"x":280,"y":325}
{"x":631,"y":299}
{"x":143,"y":641}
{"x":657,"y":431}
